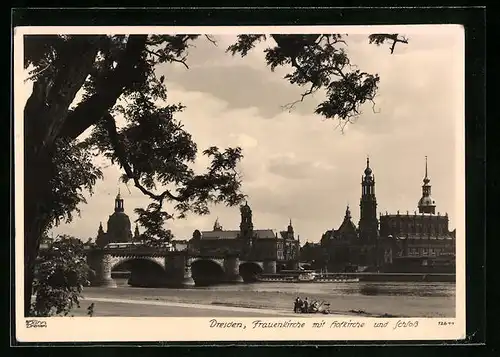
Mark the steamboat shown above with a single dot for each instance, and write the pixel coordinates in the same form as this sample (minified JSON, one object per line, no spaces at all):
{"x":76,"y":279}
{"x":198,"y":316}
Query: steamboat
{"x":305,"y":276}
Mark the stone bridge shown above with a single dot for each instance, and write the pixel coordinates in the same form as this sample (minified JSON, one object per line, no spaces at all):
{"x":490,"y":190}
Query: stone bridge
{"x":151,"y":267}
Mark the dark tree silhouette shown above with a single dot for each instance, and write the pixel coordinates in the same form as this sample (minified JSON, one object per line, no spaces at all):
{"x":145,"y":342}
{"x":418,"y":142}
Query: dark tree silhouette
{"x":60,"y":275}
{"x":116,"y":76}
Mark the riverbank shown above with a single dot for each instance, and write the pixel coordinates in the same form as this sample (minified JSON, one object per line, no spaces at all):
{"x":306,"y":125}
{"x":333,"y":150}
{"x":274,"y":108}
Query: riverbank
{"x":108,"y":307}
{"x":280,"y":299}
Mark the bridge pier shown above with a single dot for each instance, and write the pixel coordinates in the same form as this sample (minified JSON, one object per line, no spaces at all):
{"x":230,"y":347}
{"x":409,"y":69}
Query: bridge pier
{"x":269,"y":267}
{"x":101,"y":263}
{"x":293,"y":265}
{"x":232,"y":270}
{"x":187,"y":278}
{"x":179,"y":271}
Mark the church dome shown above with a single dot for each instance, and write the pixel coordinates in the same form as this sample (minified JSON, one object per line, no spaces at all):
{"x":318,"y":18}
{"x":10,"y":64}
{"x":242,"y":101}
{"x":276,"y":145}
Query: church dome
{"x":119,"y":217}
{"x":119,"y":225}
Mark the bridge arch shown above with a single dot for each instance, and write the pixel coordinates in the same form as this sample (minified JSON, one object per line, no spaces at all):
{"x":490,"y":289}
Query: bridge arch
{"x":119,"y":263}
{"x":144,"y":271}
{"x":250,"y":270}
{"x":207,"y":271}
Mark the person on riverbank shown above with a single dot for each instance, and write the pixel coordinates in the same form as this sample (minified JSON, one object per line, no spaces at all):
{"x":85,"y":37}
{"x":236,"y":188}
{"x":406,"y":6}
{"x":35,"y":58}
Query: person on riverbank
{"x":305,"y":306}
{"x":297,"y":305}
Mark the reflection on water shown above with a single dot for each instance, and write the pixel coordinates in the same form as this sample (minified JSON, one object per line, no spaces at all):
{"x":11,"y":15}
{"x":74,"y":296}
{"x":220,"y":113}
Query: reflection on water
{"x":417,"y":289}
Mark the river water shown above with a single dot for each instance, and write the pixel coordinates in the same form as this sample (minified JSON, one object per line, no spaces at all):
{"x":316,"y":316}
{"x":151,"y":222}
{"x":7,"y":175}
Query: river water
{"x":415,"y":299}
{"x":415,"y":289}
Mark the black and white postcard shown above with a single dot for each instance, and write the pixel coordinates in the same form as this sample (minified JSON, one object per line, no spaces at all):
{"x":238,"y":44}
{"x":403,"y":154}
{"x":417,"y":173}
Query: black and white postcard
{"x":239,"y":183}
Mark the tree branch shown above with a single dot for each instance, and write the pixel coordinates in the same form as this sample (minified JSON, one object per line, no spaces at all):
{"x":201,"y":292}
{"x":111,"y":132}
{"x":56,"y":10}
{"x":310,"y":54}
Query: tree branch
{"x":46,"y":110}
{"x":37,"y":73}
{"x":379,"y":38}
{"x":290,"y":106}
{"x":116,"y":143}
{"x":211,"y":40}
{"x":170,"y":59}
{"x":90,"y":111}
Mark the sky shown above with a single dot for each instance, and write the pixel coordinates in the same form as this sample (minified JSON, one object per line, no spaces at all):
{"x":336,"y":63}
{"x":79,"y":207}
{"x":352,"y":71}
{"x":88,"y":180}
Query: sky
{"x":298,"y":165}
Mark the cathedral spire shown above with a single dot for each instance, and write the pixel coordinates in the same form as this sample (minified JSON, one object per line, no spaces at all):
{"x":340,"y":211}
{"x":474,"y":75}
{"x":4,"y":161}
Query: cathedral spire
{"x":100,"y":231}
{"x":368,"y":170}
{"x":368,"y":223}
{"x":426,"y":204}
{"x":290,"y":227}
{"x":136,"y":232}
{"x":426,"y":178}
{"x":347,"y":213}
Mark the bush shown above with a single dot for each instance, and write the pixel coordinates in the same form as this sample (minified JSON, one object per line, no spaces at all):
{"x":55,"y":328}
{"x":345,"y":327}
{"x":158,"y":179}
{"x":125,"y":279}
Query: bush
{"x":60,"y":275}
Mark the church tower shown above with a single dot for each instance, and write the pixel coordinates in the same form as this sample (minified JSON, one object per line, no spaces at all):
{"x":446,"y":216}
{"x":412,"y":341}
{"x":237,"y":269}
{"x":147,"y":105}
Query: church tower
{"x":426,"y":204}
{"x":119,"y":203}
{"x":289,"y":230}
{"x":246,"y":225}
{"x":137,"y":235}
{"x":368,"y":223}
{"x":246,"y":230}
{"x":101,"y":237}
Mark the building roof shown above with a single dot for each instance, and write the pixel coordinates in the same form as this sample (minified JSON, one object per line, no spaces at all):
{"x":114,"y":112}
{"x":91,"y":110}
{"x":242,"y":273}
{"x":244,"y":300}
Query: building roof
{"x":412,"y":236}
{"x":412,"y":215}
{"x":233,"y":234}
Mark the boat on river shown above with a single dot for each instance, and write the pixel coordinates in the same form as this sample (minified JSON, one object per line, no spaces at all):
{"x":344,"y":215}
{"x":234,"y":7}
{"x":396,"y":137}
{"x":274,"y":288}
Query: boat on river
{"x":305,"y":276}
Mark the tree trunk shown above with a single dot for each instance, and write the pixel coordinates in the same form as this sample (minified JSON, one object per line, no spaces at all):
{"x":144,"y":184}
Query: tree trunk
{"x":37,"y":173}
{"x":36,"y":216}
{"x":46,"y":119}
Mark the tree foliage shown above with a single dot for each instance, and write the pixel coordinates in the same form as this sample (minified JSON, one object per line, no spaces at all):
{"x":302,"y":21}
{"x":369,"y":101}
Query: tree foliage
{"x":320,"y":62}
{"x":60,"y":275}
{"x":116,"y":75}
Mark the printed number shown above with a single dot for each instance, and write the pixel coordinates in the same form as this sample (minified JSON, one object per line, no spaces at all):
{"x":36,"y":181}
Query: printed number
{"x":446,"y":323}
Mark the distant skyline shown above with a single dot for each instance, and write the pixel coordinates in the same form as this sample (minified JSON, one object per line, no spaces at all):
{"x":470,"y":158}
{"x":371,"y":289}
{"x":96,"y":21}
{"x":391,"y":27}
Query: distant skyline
{"x":297,"y":165}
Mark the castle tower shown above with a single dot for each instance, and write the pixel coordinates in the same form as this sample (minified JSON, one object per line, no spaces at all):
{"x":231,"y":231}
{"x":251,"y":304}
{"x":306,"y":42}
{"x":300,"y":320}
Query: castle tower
{"x":368,"y":222}
{"x":426,"y":204}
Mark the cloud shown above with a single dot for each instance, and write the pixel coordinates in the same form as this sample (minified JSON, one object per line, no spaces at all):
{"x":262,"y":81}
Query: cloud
{"x":297,"y":165}
{"x":289,"y":167}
